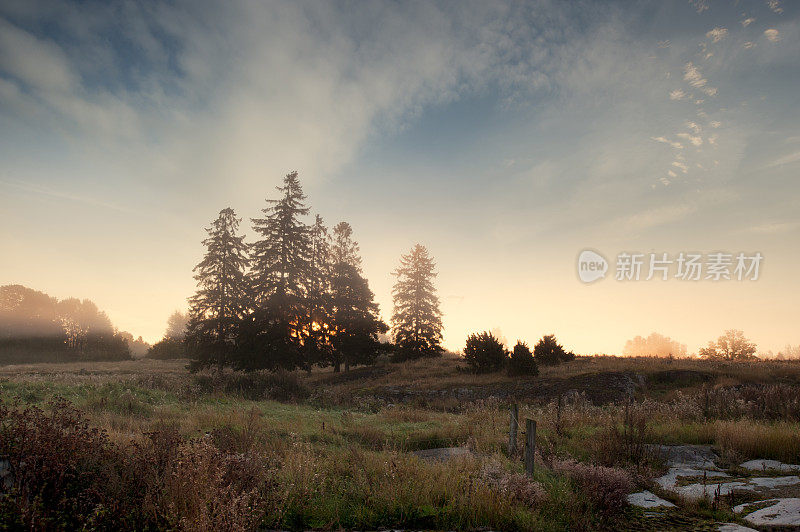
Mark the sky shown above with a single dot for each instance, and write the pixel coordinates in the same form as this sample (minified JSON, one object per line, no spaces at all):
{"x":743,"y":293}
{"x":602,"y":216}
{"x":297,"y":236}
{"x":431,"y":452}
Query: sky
{"x":507,"y":137}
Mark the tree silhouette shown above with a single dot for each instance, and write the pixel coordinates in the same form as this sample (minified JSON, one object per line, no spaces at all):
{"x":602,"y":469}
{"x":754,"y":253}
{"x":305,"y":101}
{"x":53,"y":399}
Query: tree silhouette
{"x":730,"y":346}
{"x":318,"y":347}
{"x":484,"y":353}
{"x":281,"y":268}
{"x":416,"y":320}
{"x":219,"y":305}
{"x":522,"y":361}
{"x":356,"y":320}
{"x":344,"y":248}
{"x":549,"y":351}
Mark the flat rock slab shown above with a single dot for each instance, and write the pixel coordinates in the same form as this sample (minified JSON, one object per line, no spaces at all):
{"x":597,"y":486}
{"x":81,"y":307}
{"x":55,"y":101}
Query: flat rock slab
{"x":734,"y":527}
{"x":646,"y":499}
{"x":670,"y":480}
{"x":779,"y":512}
{"x":697,"y":456}
{"x":769,"y":465}
{"x":442,"y":454}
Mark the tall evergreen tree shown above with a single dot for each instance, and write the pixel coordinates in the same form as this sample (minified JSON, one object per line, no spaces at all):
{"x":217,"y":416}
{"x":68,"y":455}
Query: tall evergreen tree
{"x":416,"y":320}
{"x":281,"y":264}
{"x":218,"y":307}
{"x":320,"y":307}
{"x":344,"y":248}
{"x":356,"y":319}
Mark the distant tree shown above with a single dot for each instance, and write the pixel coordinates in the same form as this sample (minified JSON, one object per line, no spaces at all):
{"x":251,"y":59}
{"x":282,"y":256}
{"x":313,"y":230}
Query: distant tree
{"x":36,"y":327}
{"x":416,"y":320}
{"x":521,"y":361}
{"x":177,"y":323}
{"x":218,"y":307}
{"x":730,"y":346}
{"x":138,"y":347}
{"x":655,"y":345}
{"x":789,"y":352}
{"x":484,"y":353}
{"x":173,"y":344}
{"x":28,"y":313}
{"x":548,"y":351}
{"x":281,"y":264}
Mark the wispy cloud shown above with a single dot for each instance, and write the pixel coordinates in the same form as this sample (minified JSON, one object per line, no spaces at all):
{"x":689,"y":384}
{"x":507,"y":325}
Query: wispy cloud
{"x":775,"y":6}
{"x":674,"y":144}
{"x":786,"y":159}
{"x":696,"y":140}
{"x":49,"y":192}
{"x":677,"y":94}
{"x":746,"y":22}
{"x":772,"y":35}
{"x":693,"y":76}
{"x":683,"y":167}
{"x":717,"y":34}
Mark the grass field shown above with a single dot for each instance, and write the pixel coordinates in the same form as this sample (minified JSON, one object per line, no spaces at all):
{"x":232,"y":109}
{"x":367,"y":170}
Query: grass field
{"x":329,"y":451}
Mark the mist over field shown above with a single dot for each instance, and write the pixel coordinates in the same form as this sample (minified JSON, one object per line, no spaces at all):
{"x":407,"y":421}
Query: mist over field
{"x":335,"y":265}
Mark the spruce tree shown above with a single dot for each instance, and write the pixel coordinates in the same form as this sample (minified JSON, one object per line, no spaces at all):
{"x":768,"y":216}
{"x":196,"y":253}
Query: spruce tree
{"x":320,"y":307}
{"x":356,"y":320}
{"x":344,"y":248}
{"x":416,"y":320}
{"x":218,"y":307}
{"x":281,"y":264}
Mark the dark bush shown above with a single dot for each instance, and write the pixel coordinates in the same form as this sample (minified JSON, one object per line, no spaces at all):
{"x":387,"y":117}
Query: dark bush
{"x":522,"y":361}
{"x":167,"y":349}
{"x":62,"y":474}
{"x":484,"y":353}
{"x":548,"y":351}
{"x":59,"y":474}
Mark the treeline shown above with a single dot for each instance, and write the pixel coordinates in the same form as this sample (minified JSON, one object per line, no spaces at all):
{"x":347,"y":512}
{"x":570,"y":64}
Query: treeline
{"x":485,"y":353}
{"x":35,"y":327}
{"x":297,"y":297}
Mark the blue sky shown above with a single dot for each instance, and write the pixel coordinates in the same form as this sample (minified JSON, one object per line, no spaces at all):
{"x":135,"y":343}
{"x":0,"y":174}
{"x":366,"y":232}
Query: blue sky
{"x":506,"y":136}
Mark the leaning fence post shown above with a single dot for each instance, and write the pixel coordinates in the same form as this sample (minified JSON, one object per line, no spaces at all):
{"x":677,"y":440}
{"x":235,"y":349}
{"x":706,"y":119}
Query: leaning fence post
{"x":512,"y":431}
{"x":530,"y":445}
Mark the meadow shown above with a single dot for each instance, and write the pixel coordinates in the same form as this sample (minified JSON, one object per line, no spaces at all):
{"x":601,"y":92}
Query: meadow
{"x":148,"y":444}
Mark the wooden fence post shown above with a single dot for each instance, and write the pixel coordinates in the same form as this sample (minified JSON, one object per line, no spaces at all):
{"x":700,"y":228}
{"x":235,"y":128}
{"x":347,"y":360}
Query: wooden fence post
{"x":530,"y":445}
{"x":512,"y":431}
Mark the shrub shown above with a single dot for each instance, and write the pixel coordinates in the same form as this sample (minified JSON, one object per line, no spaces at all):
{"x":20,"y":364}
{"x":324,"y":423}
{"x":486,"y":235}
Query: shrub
{"x":484,"y":353}
{"x":604,"y":488}
{"x":62,"y":472}
{"x":548,"y":351}
{"x":167,"y":349}
{"x":521,"y":361}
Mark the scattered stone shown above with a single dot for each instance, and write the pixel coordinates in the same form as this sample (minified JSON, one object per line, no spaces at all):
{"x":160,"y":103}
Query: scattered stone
{"x":646,"y":499}
{"x":442,"y":454}
{"x":780,"y":512}
{"x":769,"y":465}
